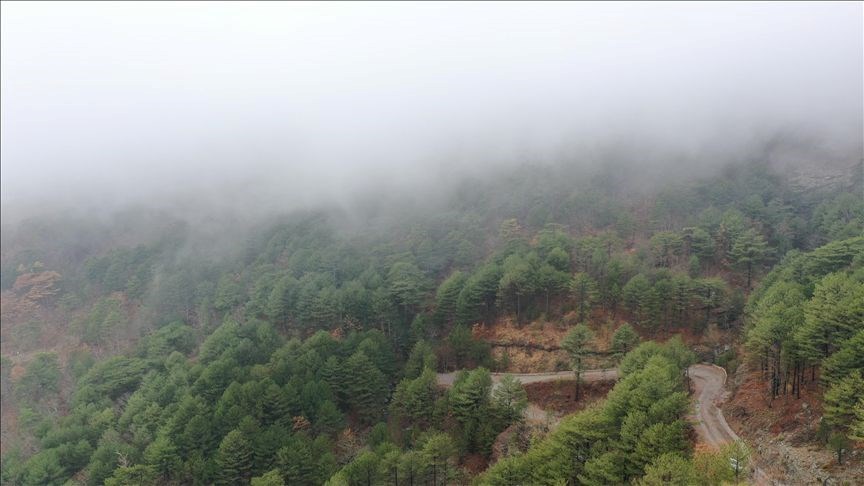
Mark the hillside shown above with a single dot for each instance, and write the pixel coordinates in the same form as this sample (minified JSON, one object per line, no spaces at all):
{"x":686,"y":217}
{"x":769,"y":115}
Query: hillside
{"x":307,"y":352}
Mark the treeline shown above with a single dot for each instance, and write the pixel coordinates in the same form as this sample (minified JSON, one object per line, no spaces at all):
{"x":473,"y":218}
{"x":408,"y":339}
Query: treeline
{"x":478,"y":256}
{"x":808,"y":316}
{"x":229,"y":362}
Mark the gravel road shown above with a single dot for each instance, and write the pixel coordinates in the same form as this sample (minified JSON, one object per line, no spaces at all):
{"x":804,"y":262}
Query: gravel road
{"x":709,"y":391}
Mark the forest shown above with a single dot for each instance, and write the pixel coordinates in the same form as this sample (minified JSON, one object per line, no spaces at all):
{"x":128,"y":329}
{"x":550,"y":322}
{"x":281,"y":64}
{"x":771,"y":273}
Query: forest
{"x":308,"y":353}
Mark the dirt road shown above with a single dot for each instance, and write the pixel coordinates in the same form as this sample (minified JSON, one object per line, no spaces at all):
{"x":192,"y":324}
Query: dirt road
{"x":709,"y":383}
{"x":709,"y":390}
{"x":446,"y":379}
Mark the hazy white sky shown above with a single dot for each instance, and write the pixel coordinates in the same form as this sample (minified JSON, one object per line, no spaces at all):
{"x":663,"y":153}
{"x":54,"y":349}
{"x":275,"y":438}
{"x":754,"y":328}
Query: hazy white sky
{"x":130,"y":101}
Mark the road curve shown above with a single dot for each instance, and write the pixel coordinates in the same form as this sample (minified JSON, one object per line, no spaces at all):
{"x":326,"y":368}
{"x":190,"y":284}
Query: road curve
{"x":709,"y":391}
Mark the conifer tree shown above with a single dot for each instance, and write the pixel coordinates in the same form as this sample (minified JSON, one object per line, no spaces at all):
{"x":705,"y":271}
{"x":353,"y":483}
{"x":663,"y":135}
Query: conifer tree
{"x":366,"y":388}
{"x":749,"y":250}
{"x":583,"y":288}
{"x":234,"y":459}
{"x":576,"y":345}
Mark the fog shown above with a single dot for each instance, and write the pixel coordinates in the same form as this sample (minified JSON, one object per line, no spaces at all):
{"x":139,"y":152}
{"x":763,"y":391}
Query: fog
{"x":280,"y":105}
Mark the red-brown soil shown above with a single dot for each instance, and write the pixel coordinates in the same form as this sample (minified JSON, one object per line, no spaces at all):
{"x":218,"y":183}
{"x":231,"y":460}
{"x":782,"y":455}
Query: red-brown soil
{"x":784,"y":432}
{"x":560,"y":396}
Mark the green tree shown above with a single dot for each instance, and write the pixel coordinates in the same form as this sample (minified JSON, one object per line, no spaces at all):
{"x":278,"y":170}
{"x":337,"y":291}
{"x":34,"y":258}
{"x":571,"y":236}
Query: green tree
{"x":666,"y":246}
{"x":438,"y":452}
{"x":576,"y":343}
{"x":839,"y":443}
{"x":270,"y":478}
{"x":477,"y":298}
{"x":296,"y":461}
{"x":846,"y":359}
{"x":368,"y":390}
{"x":602,"y":470}
{"x":363,"y":470}
{"x":406,"y":283}
{"x":41,"y":378}
{"x":229,"y":293}
{"x":234,"y":459}
{"x":163,"y":456}
{"x":470,"y":405}
{"x":414,"y":399}
{"x":328,"y":418}
{"x":510,"y":399}
{"x":624,"y":340}
{"x":389,"y":467}
{"x":833,"y":315}
{"x":422,"y":356}
{"x":467,"y":349}
{"x":551,"y":281}
{"x":518,"y":282}
{"x":583,"y":288}
{"x":738,"y":455}
{"x":641,"y":300}
{"x":669,"y":469}
{"x":749,"y":250}
{"x":856,"y":431}
{"x":840,"y":399}
{"x":138,"y":475}
{"x":447,"y":297}
{"x":411,"y":468}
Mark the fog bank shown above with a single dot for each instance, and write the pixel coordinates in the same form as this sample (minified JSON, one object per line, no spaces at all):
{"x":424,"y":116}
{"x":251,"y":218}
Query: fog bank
{"x":272,"y":106}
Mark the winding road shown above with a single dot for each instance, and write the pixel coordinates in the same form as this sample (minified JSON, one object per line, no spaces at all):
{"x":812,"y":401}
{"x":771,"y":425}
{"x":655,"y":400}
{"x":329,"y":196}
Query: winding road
{"x":709,"y":390}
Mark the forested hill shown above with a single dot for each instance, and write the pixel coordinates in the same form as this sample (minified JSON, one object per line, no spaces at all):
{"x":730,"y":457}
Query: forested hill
{"x":141,"y":348}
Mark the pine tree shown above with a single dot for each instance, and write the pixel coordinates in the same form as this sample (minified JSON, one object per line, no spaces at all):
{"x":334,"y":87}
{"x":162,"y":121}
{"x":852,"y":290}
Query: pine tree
{"x":624,"y":340}
{"x":840,"y":399}
{"x":749,"y":250}
{"x":602,"y":470}
{"x":389,"y":467}
{"x":411,"y":468}
{"x":438,"y":452}
{"x":576,"y":345}
{"x":234,"y":459}
{"x":518,"y":282}
{"x":367,"y":387}
{"x":834,"y":314}
{"x":415,"y":399}
{"x":583,"y":288}
{"x":510,"y":399}
{"x":270,"y":478}
{"x":447,"y":297}
{"x":328,"y":418}
{"x":551,"y":281}
{"x":469,"y":404}
{"x":422,"y":356}
{"x":281,"y":300}
{"x":296,"y":460}
{"x":162,"y":455}
{"x":275,"y":408}
{"x":669,"y":469}
{"x":641,"y":300}
{"x":333,"y":375}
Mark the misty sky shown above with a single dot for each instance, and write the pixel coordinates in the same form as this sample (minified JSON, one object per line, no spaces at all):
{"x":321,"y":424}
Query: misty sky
{"x":291,"y":102}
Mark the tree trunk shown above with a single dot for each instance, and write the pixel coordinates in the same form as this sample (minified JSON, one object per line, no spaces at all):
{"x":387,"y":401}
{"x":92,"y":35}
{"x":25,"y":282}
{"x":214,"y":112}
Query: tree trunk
{"x":518,"y":307}
{"x":547,"y":303}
